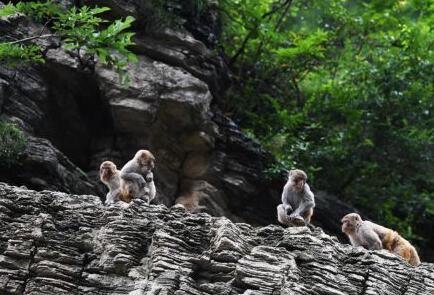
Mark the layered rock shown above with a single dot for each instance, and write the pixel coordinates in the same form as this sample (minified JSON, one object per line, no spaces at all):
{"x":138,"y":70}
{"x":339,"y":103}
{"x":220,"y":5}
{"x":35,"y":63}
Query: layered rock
{"x":54,"y":105}
{"x":77,"y":117}
{"x":55,"y":243}
{"x":83,"y":114}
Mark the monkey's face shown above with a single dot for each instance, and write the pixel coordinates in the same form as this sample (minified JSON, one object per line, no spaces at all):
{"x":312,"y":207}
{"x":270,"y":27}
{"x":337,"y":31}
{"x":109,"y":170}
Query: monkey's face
{"x":298,"y":178}
{"x":146,"y":159}
{"x":349,"y":223}
{"x":298,"y":183}
{"x":347,"y":226}
{"x":107,"y":170}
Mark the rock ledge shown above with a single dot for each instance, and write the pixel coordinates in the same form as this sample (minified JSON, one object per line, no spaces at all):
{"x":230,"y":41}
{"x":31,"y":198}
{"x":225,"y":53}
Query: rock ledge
{"x":55,"y":243}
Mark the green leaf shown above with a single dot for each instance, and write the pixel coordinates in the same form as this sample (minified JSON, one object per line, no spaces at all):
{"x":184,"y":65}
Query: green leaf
{"x":12,"y":55}
{"x":8,"y":9}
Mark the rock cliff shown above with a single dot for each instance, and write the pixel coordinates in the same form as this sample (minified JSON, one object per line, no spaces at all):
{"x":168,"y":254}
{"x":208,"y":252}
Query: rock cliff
{"x":77,"y":117}
{"x":56,"y":243}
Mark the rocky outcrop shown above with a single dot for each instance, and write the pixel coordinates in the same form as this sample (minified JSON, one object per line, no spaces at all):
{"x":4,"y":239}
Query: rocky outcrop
{"x":55,"y":243}
{"x":77,"y":117}
{"x":45,"y":167}
{"x":83,"y":115}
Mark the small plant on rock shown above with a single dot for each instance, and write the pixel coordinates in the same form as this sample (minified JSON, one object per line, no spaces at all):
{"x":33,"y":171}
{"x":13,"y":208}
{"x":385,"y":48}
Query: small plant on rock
{"x":13,"y":142}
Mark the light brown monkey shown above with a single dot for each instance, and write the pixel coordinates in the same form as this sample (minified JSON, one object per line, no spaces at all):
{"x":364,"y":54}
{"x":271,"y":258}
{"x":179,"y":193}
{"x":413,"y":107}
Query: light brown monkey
{"x":137,"y":180}
{"x":298,"y":200}
{"x":189,"y":201}
{"x":375,"y":237}
{"x":110,"y":176}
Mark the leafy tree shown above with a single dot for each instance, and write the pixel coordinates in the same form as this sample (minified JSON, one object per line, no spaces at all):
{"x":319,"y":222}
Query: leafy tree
{"x":343,"y":89}
{"x":81,"y":30}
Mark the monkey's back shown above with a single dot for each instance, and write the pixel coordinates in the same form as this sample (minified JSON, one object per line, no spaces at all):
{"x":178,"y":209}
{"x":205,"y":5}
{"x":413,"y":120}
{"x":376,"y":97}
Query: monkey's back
{"x":395,"y":243}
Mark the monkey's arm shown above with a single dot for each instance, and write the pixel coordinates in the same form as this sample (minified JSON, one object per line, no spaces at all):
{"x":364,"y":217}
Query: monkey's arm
{"x":134,"y":177}
{"x":307,"y":202}
{"x":354,"y":241}
{"x":112,"y":197}
{"x":371,"y":239}
{"x":108,"y":199}
{"x":285,"y":199}
{"x":149,"y":176}
{"x":128,"y":173}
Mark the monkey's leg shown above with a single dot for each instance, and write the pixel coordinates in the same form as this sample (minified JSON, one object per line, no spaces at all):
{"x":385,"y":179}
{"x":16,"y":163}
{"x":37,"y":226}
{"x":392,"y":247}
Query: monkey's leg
{"x":145,"y":196}
{"x":126,"y":194}
{"x":282,"y":217}
{"x":414,"y":257}
{"x":307,"y":215}
{"x":298,"y":221}
{"x":403,"y":249}
{"x":403,"y":252}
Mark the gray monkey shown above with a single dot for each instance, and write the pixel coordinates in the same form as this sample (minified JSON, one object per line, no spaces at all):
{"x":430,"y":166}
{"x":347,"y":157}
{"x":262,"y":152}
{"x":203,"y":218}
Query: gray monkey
{"x":137,"y":179}
{"x":298,"y":200}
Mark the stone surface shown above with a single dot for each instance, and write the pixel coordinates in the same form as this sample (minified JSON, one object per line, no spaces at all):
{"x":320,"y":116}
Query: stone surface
{"x":82,"y":114}
{"x":42,"y":166}
{"x":181,"y":49}
{"x":77,"y":117}
{"x":55,"y":243}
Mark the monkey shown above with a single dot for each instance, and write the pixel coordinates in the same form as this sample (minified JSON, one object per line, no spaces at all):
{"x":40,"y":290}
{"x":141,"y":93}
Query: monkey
{"x":110,"y":176}
{"x":137,"y":180}
{"x":190,"y":201}
{"x":192,"y":194}
{"x":372,"y":236}
{"x":298,"y":200}
{"x":362,"y":233}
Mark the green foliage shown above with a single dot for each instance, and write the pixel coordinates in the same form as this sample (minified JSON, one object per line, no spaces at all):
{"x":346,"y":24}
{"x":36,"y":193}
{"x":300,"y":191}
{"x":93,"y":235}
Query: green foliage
{"x":8,"y":9}
{"x":343,"y":89}
{"x":12,"y":143}
{"x":13,"y":55}
{"x":40,"y":10}
{"x":82,"y":32}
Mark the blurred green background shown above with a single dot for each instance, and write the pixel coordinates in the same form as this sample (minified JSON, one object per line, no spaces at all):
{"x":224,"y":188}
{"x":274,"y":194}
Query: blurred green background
{"x":344,"y":90}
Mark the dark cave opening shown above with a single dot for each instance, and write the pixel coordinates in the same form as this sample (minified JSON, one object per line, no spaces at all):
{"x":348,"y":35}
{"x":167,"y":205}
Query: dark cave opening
{"x":76,"y":114}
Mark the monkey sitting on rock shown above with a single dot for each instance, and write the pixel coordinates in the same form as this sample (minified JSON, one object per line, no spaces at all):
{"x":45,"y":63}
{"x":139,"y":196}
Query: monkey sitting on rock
{"x":137,"y":179}
{"x":298,"y":200}
{"x":110,"y":176}
{"x":134,"y":181}
{"x":376,"y":237}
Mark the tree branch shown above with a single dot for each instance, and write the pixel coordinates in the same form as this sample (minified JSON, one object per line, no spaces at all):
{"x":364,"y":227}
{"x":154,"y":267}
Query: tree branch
{"x":254,"y":29}
{"x":276,"y":28}
{"x":31,"y":38}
